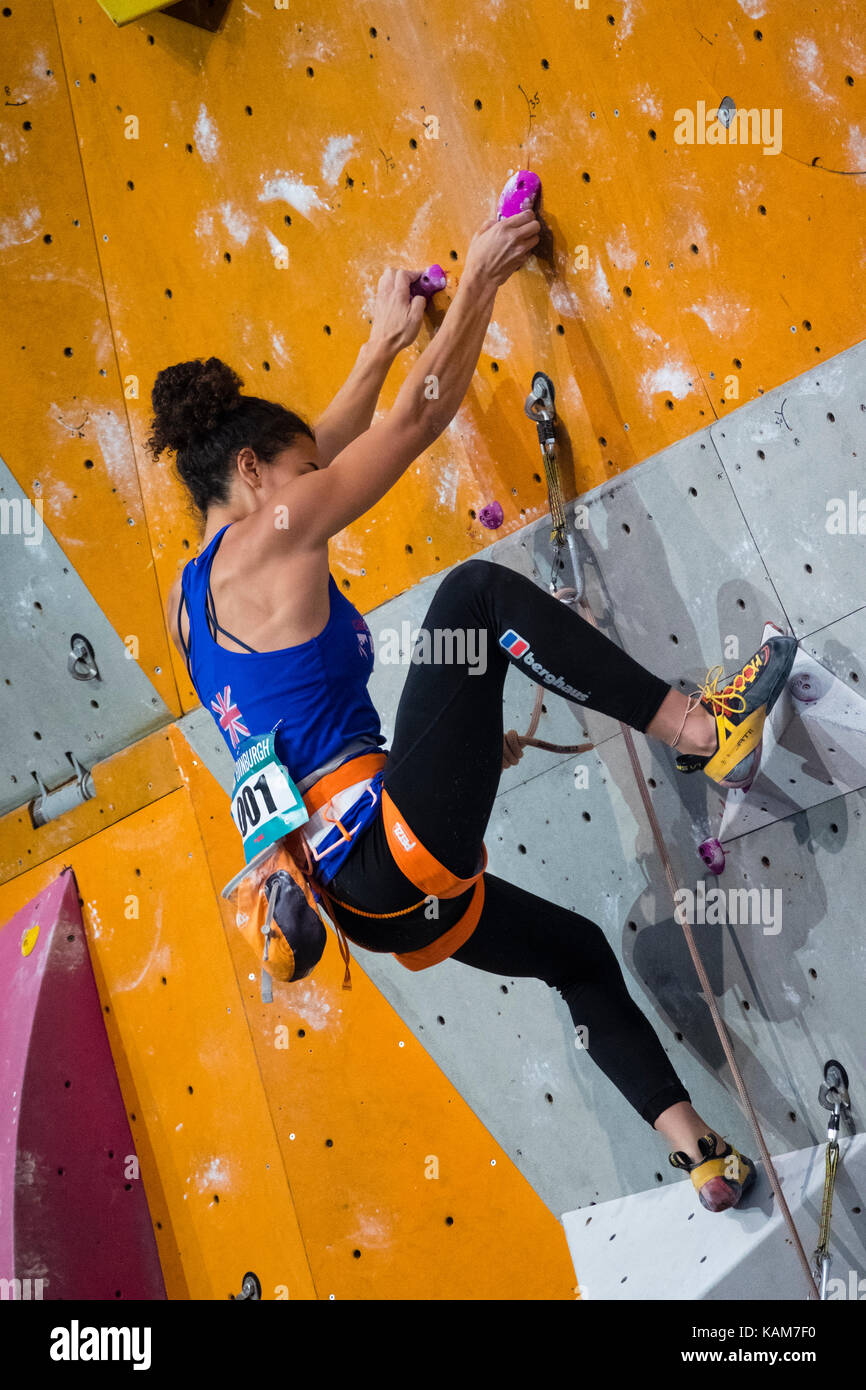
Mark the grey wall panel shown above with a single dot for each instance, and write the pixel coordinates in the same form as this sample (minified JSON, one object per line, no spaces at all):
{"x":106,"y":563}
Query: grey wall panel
{"x":45,"y":712}
{"x":204,"y":738}
{"x":789,"y":456}
{"x":841,"y":647}
{"x":672,"y":572}
{"x":745,"y":1256}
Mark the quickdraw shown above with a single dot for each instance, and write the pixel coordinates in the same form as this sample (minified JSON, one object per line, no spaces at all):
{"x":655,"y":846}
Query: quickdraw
{"x":540,"y":406}
{"x":833,"y":1095}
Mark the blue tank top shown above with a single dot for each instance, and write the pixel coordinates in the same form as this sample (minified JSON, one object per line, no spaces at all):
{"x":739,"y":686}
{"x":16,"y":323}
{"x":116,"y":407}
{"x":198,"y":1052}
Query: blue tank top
{"x":314,"y":694}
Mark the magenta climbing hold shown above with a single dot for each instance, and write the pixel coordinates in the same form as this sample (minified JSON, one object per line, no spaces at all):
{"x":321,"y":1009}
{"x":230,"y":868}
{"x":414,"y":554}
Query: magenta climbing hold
{"x":713,"y":855}
{"x":805,"y":688}
{"x":428,"y":284}
{"x":491,"y":516}
{"x":522,"y":185}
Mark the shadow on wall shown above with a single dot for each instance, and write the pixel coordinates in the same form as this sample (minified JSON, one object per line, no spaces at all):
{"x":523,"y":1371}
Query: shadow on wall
{"x":759,"y":984}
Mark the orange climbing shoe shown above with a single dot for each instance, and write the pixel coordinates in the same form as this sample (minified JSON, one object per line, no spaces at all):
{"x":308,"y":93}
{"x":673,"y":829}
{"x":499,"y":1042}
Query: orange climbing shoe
{"x":740,"y":711}
{"x":720,"y":1179}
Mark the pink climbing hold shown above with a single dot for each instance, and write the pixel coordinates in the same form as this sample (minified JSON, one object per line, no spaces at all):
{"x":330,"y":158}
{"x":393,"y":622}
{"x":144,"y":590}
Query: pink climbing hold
{"x":805,"y":688}
{"x":491,"y":516}
{"x":713,"y":855}
{"x":522,"y":185}
{"x":428,"y":284}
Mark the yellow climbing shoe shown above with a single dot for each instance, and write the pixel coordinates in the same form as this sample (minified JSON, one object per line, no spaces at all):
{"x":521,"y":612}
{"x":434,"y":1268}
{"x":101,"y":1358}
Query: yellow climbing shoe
{"x":720,"y":1179}
{"x":740,"y":711}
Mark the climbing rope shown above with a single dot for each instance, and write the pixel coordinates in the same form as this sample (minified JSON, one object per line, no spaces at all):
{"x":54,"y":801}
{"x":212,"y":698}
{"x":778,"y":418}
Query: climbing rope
{"x":710,"y":997}
{"x":540,"y":407}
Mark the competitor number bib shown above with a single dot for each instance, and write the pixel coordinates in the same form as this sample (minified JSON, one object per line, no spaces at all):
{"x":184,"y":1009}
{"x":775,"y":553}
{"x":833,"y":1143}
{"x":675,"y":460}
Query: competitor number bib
{"x":266,"y":804}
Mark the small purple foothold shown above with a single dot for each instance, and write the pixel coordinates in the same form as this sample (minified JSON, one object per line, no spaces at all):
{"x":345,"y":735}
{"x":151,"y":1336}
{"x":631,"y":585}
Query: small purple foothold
{"x":805,"y":688}
{"x":428,"y":284}
{"x":713,"y":855}
{"x":522,"y":185}
{"x":491,"y":516}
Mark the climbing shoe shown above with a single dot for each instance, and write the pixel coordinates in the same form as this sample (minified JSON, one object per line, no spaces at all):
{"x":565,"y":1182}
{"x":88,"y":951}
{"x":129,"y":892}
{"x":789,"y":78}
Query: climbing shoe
{"x":720,"y":1179}
{"x":740,"y":711}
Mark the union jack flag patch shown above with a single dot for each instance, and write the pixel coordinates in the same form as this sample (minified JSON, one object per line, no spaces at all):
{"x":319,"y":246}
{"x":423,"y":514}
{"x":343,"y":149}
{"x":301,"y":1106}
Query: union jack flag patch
{"x":231,"y":720}
{"x":362,"y":632}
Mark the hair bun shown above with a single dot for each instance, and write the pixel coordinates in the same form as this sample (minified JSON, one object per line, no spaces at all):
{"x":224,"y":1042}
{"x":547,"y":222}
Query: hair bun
{"x":190,"y":399}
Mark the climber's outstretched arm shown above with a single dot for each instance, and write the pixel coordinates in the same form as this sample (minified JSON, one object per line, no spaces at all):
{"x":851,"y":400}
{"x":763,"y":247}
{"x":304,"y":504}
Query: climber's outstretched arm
{"x":322,"y":503}
{"x":396,"y":320}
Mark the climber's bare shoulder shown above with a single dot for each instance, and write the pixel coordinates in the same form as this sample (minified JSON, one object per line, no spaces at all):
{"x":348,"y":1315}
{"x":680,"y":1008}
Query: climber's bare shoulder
{"x":270,"y":598}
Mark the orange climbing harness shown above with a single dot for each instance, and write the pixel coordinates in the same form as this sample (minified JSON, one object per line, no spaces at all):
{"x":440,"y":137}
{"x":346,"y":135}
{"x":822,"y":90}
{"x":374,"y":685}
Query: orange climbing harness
{"x":413,"y":859}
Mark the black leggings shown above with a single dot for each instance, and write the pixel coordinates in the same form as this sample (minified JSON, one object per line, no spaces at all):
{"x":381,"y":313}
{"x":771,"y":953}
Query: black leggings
{"x":443,"y":772}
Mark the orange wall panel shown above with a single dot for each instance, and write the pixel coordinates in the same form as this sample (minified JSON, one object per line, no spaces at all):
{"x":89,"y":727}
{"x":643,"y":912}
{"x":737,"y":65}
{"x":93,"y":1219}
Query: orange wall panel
{"x":65,"y":432}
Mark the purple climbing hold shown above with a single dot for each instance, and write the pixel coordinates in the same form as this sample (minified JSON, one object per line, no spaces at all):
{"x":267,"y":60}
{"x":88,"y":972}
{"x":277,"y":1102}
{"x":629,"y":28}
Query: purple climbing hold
{"x":713,"y":855}
{"x":491,"y":516}
{"x":432,"y":280}
{"x":522,"y":185}
{"x":806,"y":688}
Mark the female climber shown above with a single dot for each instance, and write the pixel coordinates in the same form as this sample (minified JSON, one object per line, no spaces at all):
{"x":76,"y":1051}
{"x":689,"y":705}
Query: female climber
{"x":396,"y":836}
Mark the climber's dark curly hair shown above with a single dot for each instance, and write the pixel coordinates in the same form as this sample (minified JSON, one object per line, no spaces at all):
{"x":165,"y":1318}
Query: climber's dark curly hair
{"x":201,"y":416}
